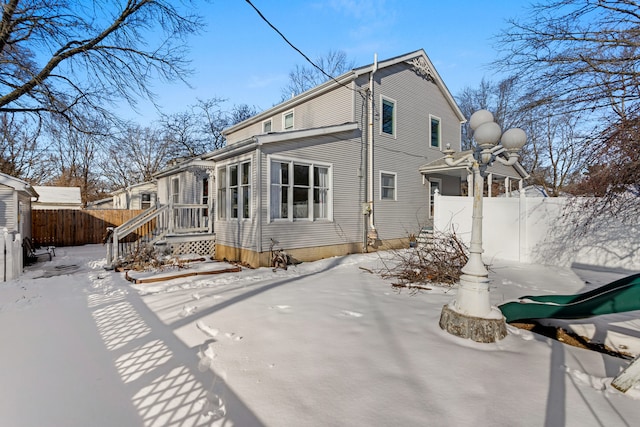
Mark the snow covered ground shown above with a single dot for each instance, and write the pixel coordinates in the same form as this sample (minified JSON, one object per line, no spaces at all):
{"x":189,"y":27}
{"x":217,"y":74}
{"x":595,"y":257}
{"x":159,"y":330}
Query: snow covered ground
{"x":321,"y":344}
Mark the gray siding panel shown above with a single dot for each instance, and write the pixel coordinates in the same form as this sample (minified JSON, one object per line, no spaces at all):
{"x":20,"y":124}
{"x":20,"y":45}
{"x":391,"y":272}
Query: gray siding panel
{"x":403,"y":154}
{"x":331,"y":108}
{"x":416,"y":98}
{"x":8,"y":208}
{"x":344,"y":156}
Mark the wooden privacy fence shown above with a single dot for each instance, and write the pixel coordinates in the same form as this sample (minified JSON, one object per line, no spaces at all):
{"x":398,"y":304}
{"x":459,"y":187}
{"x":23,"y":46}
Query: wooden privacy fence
{"x":68,"y":227}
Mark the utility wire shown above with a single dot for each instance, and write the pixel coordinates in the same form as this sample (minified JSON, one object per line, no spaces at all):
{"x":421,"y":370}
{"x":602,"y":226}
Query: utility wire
{"x":295,"y":48}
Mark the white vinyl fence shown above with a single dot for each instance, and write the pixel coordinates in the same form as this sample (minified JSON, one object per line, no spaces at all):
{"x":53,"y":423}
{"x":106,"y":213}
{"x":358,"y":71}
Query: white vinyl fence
{"x":10,"y":255}
{"x":542,"y":230}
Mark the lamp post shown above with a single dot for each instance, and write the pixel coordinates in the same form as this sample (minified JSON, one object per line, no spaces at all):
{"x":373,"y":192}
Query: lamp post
{"x":471,"y":315}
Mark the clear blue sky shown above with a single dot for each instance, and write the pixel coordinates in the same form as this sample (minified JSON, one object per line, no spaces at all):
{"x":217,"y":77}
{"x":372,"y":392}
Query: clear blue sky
{"x":240,"y":58}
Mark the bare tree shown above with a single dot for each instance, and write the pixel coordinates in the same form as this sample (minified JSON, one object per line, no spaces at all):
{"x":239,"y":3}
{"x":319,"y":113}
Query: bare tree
{"x":613,"y":173}
{"x":576,"y":54}
{"x":502,"y":99}
{"x":134,"y":156}
{"x":305,"y":77}
{"x":584,"y":55}
{"x":58,"y":54}
{"x":21,"y":148}
{"x":554,"y":153}
{"x":198,"y":130}
{"x":74,"y":155}
{"x":182,"y":131}
{"x":241,"y":113}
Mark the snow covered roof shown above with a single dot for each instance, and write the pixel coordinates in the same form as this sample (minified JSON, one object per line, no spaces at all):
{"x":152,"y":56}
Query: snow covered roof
{"x":63,"y":196}
{"x":17,"y":184}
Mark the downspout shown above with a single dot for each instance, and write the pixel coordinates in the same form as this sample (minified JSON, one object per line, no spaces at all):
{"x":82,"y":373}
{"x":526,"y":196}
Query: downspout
{"x":372,"y":234}
{"x":258,"y":216}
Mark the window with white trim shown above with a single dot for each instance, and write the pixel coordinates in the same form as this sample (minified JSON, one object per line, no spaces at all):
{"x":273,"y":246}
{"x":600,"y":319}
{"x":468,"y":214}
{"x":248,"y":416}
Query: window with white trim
{"x":434,"y":131}
{"x":388,"y":182}
{"x":300,"y":191}
{"x":388,"y":116}
{"x":266,"y":126}
{"x":287,"y":120}
{"x":234,"y":191}
{"x":145,"y":200}
{"x":222,"y":193}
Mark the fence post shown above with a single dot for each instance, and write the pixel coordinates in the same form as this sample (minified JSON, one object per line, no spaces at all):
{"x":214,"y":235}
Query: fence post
{"x":5,"y":237}
{"x":16,"y":256}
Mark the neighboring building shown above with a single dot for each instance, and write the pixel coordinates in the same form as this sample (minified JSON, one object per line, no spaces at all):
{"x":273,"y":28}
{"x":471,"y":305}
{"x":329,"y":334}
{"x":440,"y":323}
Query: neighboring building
{"x":106,"y":203}
{"x":15,"y":205}
{"x":51,"y":197}
{"x":332,"y":171}
{"x":15,"y":224}
{"x":136,"y":196}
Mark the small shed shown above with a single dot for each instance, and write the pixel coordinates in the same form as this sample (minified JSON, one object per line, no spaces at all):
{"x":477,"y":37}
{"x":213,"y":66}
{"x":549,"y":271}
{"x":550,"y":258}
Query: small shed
{"x":15,"y":205}
{"x":51,"y":197}
{"x":15,"y":223}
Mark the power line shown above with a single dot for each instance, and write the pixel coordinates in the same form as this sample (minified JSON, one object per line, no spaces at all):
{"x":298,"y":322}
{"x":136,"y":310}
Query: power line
{"x":294,"y":47}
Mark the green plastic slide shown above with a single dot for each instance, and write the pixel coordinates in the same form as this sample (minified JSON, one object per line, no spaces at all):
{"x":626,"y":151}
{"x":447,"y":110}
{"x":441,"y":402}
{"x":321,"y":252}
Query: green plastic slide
{"x":615,"y":297}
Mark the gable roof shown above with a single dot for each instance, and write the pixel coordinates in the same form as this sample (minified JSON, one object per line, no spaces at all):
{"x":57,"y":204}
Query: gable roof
{"x":58,"y":195}
{"x":422,"y":64}
{"x":418,"y":59}
{"x":17,"y":184}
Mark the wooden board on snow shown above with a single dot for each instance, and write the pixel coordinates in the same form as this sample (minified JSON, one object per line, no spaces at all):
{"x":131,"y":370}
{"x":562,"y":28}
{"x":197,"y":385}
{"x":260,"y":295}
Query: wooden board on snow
{"x":629,"y":377}
{"x":197,"y":269}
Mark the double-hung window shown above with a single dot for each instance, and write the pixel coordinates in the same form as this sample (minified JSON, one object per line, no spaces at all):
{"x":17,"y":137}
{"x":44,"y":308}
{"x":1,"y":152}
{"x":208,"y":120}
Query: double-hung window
{"x":300,"y":191}
{"x":222,"y":193}
{"x":287,"y":120}
{"x":145,"y":200}
{"x":266,"y":126}
{"x":434,"y":131}
{"x":388,"y":122}
{"x":234,"y":191}
{"x":388,"y":187}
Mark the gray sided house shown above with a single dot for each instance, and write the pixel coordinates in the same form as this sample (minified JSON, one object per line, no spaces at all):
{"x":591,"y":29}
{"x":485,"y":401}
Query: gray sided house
{"x":15,"y":205}
{"x":332,"y":171}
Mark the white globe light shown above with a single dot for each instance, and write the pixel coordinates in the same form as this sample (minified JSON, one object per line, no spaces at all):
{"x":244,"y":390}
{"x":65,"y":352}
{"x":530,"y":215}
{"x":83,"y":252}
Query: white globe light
{"x":487,"y":134}
{"x":514,"y":139}
{"x":480,"y":117}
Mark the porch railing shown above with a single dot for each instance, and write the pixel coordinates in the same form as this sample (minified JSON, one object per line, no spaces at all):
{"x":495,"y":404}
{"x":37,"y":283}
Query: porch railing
{"x":190,"y":219}
{"x":153,"y":225}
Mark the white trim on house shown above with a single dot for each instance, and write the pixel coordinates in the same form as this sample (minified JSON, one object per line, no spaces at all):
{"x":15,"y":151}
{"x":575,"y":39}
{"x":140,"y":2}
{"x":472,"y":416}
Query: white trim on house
{"x":291,"y":161}
{"x":394,"y":117}
{"x":284,"y":120}
{"x":431,"y":118}
{"x":17,"y":184}
{"x":264,"y":126}
{"x":395,"y":186}
{"x":237,"y":161}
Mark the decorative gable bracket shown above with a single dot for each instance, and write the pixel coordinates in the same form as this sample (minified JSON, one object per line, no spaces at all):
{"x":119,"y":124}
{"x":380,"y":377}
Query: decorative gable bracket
{"x":421,"y":68}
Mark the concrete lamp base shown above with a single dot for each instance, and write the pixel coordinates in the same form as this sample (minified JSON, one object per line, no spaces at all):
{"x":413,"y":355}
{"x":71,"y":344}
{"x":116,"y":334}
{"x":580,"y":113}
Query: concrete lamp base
{"x":477,"y":329}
